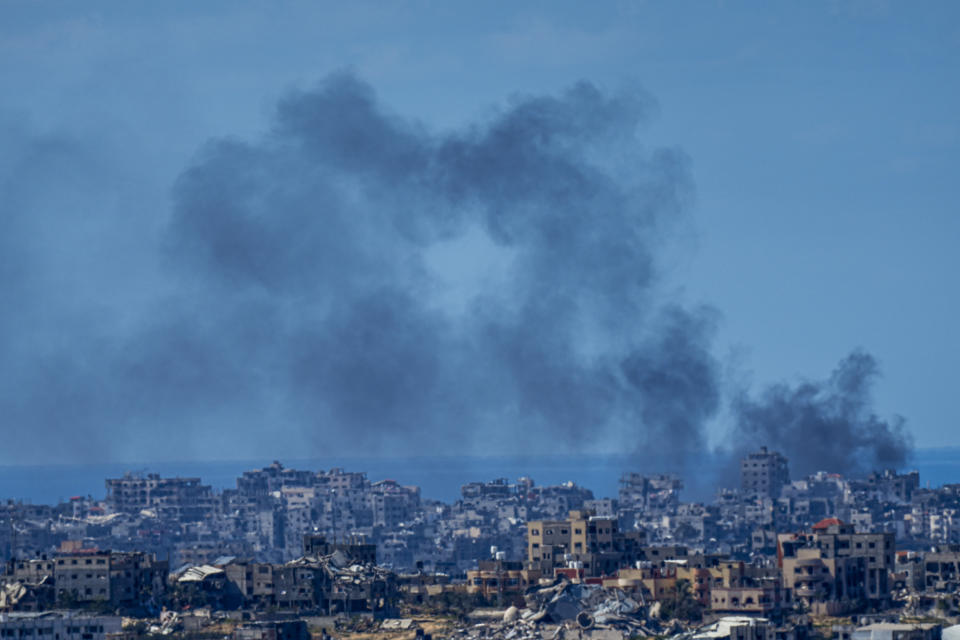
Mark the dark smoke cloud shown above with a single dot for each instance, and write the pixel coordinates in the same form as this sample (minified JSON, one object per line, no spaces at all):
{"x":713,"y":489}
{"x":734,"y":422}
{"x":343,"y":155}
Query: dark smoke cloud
{"x":354,"y":278}
{"x":826,"y":425}
{"x":333,"y":218}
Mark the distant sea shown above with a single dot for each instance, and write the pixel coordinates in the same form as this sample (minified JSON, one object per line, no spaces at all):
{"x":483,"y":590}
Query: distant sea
{"x":439,"y":477}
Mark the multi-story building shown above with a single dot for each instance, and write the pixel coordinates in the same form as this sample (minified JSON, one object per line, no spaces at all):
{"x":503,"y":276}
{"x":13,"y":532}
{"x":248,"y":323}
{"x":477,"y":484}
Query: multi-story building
{"x":583,"y":541}
{"x":554,"y":501}
{"x":339,"y":480}
{"x":649,"y":492}
{"x":392,"y":504}
{"x":764,"y":473}
{"x":253,"y":581}
{"x":498,"y":579}
{"x":181,"y":499}
{"x":261,"y":482}
{"x":756,"y":599}
{"x":834,"y":564}
{"x":941,"y":568}
{"x":909,"y":573}
{"x":32,"y":571}
{"x":111,"y":576}
{"x":890,"y":485}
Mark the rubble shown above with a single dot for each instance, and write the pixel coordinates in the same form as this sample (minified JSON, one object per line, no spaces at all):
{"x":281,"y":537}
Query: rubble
{"x":568,"y":610}
{"x":11,"y":594}
{"x":398,"y":624}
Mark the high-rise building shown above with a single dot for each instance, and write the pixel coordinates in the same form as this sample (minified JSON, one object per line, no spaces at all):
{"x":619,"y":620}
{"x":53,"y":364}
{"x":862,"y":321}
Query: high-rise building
{"x":764,"y":473}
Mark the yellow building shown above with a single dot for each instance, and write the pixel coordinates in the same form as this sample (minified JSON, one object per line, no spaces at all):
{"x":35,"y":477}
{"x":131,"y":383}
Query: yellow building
{"x":583,"y":541}
{"x":497,"y":578}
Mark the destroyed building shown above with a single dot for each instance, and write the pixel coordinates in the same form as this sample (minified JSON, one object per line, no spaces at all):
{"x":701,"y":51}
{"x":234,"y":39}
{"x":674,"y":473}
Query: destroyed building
{"x":835,"y":569}
{"x":183,"y":499}
{"x":118,"y":577}
{"x":941,"y":569}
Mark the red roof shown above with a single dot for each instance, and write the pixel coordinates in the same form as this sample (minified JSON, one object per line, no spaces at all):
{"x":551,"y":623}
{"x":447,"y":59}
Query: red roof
{"x":827,"y":522}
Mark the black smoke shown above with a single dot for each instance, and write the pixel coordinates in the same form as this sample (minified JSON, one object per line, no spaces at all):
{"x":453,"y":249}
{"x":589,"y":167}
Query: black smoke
{"x":826,"y":425}
{"x":334,"y":218}
{"x":354,"y":279}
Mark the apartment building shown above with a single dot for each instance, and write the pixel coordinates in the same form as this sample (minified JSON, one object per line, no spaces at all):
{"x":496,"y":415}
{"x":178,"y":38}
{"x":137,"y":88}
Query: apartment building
{"x":180,"y":499}
{"x":764,"y":473}
{"x":834,"y":564}
{"x":583,"y":541}
{"x":112,"y":576}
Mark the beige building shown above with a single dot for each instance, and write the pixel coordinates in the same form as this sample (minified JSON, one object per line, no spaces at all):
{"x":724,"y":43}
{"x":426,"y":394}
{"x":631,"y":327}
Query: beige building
{"x":833,"y":569}
{"x":110,"y":576}
{"x":761,"y":599}
{"x":583,"y":541}
{"x":500,"y":578}
{"x":254,"y":580}
{"x":652,"y":583}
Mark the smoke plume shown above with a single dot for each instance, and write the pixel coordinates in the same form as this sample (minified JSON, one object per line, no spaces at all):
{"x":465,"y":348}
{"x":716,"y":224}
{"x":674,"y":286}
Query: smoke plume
{"x":826,"y":425}
{"x":354,"y":280}
{"x":349,"y":220}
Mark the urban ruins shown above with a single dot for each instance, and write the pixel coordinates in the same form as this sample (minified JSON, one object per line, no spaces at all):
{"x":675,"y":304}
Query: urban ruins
{"x":293,"y":553}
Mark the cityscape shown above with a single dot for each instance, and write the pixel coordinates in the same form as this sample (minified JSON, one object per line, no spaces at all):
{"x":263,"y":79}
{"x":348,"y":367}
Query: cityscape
{"x":292,"y":545}
{"x":473,"y":320}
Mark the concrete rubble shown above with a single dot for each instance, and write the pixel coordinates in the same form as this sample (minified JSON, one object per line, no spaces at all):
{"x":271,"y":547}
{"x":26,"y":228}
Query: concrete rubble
{"x":566,"y":610}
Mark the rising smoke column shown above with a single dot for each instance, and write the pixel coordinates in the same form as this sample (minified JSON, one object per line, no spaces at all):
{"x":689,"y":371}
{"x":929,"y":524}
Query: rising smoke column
{"x":334,"y":219}
{"x":826,"y":425}
{"x":354,"y":279}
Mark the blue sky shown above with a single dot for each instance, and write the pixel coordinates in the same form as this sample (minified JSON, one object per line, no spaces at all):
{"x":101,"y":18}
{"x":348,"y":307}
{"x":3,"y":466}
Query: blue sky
{"x":823,"y":140}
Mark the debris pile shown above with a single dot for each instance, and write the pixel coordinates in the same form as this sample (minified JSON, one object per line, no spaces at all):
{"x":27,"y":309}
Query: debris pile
{"x":565,"y":611}
{"x":11,"y":594}
{"x":26,"y":596}
{"x":169,"y":623}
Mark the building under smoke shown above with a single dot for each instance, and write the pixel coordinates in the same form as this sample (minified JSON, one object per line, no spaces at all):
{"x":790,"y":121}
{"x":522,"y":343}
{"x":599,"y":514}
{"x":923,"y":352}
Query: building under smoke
{"x":764,"y":473}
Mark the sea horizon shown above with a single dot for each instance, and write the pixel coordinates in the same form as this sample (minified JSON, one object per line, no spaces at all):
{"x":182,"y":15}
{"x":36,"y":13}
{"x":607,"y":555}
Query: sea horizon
{"x":438,"y":476}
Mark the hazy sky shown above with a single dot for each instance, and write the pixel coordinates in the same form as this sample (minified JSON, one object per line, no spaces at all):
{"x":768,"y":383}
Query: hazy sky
{"x":819,"y":145}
